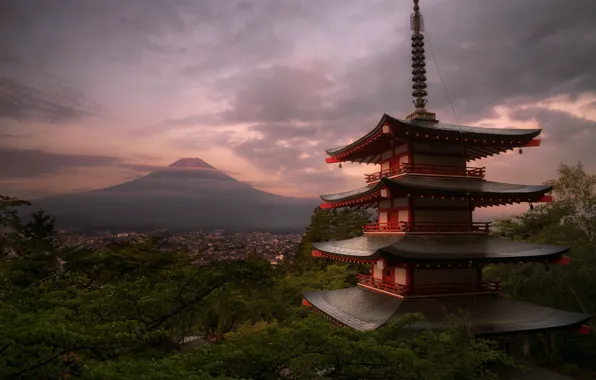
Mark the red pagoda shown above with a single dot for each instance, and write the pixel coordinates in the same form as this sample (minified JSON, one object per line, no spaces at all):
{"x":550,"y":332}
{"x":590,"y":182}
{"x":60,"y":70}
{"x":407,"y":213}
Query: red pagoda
{"x":426,"y":253}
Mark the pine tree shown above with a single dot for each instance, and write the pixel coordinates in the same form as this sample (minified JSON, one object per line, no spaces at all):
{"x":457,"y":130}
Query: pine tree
{"x":327,"y":225}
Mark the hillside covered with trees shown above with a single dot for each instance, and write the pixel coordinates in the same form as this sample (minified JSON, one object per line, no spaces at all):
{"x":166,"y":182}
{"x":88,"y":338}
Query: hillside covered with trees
{"x":132,"y":311}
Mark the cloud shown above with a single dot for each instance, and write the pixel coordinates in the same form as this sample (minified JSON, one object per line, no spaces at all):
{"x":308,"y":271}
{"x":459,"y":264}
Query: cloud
{"x":566,"y":139}
{"x":22,"y":164}
{"x":561,"y":127}
{"x":15,"y":163}
{"x":590,"y":106}
{"x":7,"y":59}
{"x":11,"y":136}
{"x":507,"y":52}
{"x":25,"y":103}
{"x":498,"y":57}
{"x":279,"y":93}
{"x":278,"y":82}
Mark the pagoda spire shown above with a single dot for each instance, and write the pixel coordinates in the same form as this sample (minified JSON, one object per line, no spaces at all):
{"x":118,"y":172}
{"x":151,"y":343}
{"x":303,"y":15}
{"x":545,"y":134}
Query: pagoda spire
{"x":418,"y":68}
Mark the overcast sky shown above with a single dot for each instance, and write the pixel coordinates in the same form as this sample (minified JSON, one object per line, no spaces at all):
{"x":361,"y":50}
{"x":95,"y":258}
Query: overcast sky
{"x":94,"y":93}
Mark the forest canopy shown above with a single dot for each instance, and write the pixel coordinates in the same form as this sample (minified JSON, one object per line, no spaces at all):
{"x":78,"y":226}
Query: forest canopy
{"x":136,"y":312}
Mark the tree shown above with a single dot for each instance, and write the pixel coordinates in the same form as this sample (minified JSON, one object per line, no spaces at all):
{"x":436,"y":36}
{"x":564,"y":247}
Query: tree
{"x":9,"y":222}
{"x":568,"y":221}
{"x":131,"y":301}
{"x":123,"y":311}
{"x":311,"y":348}
{"x":326,"y":225}
{"x":575,"y":191}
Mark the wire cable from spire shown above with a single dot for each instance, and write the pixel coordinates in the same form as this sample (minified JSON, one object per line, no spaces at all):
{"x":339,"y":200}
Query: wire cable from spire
{"x":432,"y":54}
{"x":463,"y":150}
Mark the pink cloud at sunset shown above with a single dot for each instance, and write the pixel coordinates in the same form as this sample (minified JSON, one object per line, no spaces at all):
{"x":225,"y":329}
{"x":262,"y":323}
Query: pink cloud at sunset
{"x":93,"y":94}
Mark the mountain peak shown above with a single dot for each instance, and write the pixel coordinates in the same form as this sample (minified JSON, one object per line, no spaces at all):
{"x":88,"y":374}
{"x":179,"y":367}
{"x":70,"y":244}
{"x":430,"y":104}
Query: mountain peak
{"x":191,"y":163}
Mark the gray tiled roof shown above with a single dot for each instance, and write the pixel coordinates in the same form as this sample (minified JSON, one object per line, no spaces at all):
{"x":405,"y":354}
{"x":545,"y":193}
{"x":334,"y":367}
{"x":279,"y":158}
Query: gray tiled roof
{"x":422,"y":125}
{"x":355,"y":307}
{"x":365,"y":310}
{"x":471,"y":130}
{"x":455,"y":186}
{"x":440,"y":247}
{"x":361,"y":247}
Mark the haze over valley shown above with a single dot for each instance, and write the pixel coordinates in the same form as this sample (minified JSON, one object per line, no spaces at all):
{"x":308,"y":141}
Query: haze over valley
{"x":188,"y":194}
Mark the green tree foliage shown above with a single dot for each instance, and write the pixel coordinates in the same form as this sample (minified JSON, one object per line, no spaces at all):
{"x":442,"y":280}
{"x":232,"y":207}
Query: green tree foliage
{"x":312,"y":348}
{"x":570,"y":220}
{"x":326,"y":225}
{"x":10,"y":223}
{"x":566,"y":221}
{"x":124,"y":312}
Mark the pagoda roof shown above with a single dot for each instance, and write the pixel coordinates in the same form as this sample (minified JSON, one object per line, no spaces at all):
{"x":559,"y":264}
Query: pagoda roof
{"x":366,"y":310}
{"x":440,"y":248}
{"x":502,"y":139}
{"x":417,"y":184}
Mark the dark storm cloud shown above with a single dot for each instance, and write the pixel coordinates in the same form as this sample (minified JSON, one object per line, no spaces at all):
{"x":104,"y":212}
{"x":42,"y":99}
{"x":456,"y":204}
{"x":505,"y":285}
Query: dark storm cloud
{"x":16,"y":163}
{"x":247,"y":33}
{"x":503,"y":52}
{"x":259,"y":59}
{"x":279,"y":93}
{"x":10,"y":136}
{"x":590,"y":106}
{"x":490,"y":54}
{"x":31,"y":163}
{"x":559,"y":126}
{"x":7,"y":59}
{"x":566,"y":139}
{"x":203,"y":35}
{"x":24,"y":103}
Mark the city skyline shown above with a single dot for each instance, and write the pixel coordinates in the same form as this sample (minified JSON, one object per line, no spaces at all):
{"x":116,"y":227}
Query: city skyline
{"x":94,"y":94}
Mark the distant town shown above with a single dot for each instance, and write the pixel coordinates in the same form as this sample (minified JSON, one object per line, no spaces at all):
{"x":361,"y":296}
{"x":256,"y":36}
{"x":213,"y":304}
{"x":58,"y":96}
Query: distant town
{"x":207,"y":246}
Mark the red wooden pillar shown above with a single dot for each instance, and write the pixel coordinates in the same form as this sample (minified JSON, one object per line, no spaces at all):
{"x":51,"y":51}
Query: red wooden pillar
{"x":409,"y":279}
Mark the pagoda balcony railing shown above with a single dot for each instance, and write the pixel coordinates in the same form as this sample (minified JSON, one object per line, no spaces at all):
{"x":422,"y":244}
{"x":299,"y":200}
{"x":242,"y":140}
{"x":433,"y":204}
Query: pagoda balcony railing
{"x":485,"y":287}
{"x":423,"y":290}
{"x":381,"y":284}
{"x":475,"y":172}
{"x":430,"y":227}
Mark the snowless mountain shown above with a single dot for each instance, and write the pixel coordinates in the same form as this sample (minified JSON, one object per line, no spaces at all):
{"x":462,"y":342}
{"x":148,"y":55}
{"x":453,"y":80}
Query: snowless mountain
{"x":187,"y":194}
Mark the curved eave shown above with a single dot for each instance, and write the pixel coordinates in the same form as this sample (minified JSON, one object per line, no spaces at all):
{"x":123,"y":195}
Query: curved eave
{"x":358,"y":248}
{"x":339,"y":151}
{"x":461,"y":249}
{"x":482,"y":193}
{"x":479,"y":142}
{"x":459,"y":186}
{"x":478,"y":135}
{"x":434,"y":249}
{"x":364,"y":310}
{"x":359,"y":196}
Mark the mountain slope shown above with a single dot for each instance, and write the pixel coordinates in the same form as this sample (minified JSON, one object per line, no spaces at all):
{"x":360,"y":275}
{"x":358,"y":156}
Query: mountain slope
{"x":187,"y":194}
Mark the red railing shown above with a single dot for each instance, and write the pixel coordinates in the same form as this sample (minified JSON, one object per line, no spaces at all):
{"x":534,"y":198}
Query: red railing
{"x":429,"y":227}
{"x":381,"y":284}
{"x":456,"y":288}
{"x":427,"y":169}
{"x":385,"y":173}
{"x":383,"y":227}
{"x":425,"y":290}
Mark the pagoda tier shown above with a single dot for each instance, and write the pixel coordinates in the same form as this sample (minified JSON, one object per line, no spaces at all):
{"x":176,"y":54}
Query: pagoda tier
{"x":364,"y":310}
{"x":438,"y":250}
{"x":470,"y":142}
{"x":425,"y":252}
{"x":479,"y":192}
